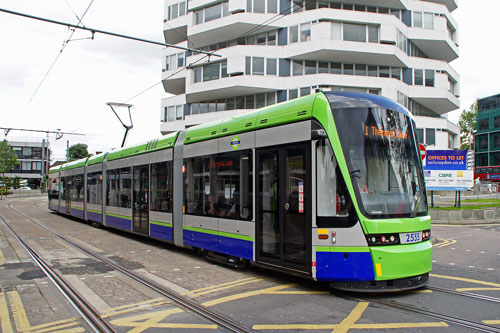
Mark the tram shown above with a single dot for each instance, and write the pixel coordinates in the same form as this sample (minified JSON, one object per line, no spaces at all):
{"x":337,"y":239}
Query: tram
{"x":328,"y":186}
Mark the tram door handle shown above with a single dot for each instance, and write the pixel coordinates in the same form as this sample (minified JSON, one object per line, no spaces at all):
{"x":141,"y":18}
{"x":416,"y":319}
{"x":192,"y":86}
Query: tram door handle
{"x":287,"y":206}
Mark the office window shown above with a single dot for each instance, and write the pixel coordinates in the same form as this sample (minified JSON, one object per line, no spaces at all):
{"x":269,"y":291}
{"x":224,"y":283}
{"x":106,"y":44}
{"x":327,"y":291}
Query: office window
{"x":171,"y":113}
{"x":336,"y":31}
{"x":310,"y":67}
{"x":175,"y":11}
{"x":360,"y":70}
{"x":496,"y":122}
{"x":417,"y":20}
{"x":293,"y":93}
{"x":428,"y":21}
{"x":257,"y":66}
{"x":293,"y":34}
{"x":384,"y":71}
{"x":420,"y":135}
{"x":372,"y":34}
{"x":396,"y":73}
{"x":323,"y":67}
{"x":298,"y":6}
{"x":372,"y":70}
{"x":429,"y":78}
{"x":211,"y":72}
{"x":250,"y":102}
{"x":178,"y":112}
{"x":213,"y":12}
{"x":270,"y":98}
{"x":259,"y":6}
{"x":271,"y":66}
{"x":272,"y":6}
{"x":305,"y":32}
{"x":298,"y":67}
{"x":336,"y":68}
{"x":418,"y":77}
{"x":430,"y":134}
{"x":354,"y":32}
{"x":271,"y":38}
{"x":248,"y":65}
{"x":260,"y":100}
{"x":348,"y":69}
{"x":483,"y":124}
{"x":305,"y":91}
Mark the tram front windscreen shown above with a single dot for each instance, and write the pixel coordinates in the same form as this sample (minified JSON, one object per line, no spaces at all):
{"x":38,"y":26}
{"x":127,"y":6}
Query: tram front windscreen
{"x":383,"y":160}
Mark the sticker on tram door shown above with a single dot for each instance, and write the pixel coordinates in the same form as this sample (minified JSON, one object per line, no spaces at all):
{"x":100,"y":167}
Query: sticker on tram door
{"x":301,"y":197}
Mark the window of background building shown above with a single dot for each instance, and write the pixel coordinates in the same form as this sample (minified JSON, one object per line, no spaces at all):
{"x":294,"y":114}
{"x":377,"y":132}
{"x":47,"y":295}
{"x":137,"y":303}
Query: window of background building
{"x":496,"y":140}
{"x":293,"y":34}
{"x":354,"y":32}
{"x":418,"y":77}
{"x":484,"y":124}
{"x":430,"y":136}
{"x":482,"y":141}
{"x":420,"y":135}
{"x":417,"y":19}
{"x":429,"y":78}
{"x":428,"y":21}
{"x":496,"y":122}
{"x":257,"y":66}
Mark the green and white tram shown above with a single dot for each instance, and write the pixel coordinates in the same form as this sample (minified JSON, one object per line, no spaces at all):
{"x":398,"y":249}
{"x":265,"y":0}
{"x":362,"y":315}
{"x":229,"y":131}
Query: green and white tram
{"x":328,"y":186}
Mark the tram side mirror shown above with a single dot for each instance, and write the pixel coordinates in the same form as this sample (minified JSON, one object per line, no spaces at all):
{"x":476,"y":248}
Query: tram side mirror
{"x":318,"y":134}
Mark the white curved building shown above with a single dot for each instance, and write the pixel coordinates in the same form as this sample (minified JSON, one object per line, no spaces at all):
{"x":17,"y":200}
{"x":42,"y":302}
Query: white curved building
{"x":275,"y":50}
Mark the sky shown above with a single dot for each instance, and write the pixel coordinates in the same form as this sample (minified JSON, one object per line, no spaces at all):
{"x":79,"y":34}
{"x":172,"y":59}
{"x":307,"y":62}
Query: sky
{"x":89,"y":73}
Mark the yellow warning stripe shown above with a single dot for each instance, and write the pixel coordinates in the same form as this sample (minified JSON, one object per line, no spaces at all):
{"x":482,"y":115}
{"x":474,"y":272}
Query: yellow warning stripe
{"x":6,"y":325}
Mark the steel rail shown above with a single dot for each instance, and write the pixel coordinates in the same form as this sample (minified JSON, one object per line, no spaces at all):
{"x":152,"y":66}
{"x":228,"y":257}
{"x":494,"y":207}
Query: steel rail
{"x":465,"y":294}
{"x":413,"y":309}
{"x":199,"y":309}
{"x":86,"y":311}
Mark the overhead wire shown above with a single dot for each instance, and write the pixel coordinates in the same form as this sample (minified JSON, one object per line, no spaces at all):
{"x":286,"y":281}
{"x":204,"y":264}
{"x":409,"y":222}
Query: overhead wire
{"x":65,"y":43}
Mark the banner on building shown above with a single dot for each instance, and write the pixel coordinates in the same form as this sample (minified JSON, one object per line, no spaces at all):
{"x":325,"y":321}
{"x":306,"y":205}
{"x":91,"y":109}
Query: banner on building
{"x":446,"y":160}
{"x":449,"y":180}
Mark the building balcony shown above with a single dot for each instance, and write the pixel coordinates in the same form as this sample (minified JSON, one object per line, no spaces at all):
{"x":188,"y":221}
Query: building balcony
{"x":435,"y":43}
{"x":450,"y":4}
{"x":438,"y":98}
{"x":229,"y":28}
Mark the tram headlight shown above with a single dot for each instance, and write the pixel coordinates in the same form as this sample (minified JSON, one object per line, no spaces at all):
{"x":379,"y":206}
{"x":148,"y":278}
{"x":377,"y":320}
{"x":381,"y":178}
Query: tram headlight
{"x":382,"y":239}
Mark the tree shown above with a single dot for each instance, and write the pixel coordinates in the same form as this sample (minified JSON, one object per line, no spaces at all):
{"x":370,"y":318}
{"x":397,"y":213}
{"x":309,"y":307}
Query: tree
{"x":77,"y":151}
{"x":468,"y":125}
{"x":8,"y":158}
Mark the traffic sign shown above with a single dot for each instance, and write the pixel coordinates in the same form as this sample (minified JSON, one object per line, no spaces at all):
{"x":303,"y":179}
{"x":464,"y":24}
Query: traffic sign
{"x":423,"y":152}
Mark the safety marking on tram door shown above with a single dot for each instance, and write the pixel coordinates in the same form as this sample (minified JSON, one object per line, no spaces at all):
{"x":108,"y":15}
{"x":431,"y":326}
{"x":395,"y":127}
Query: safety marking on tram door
{"x":13,"y":300}
{"x":444,"y":242}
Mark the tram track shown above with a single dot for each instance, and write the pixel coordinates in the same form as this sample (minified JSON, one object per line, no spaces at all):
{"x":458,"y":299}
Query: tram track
{"x":424,"y":312}
{"x":180,"y":301}
{"x":465,"y":294}
{"x":86,"y":311}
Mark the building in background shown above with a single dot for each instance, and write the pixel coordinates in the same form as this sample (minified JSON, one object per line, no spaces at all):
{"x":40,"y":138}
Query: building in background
{"x":276,"y":50}
{"x":487,"y":137}
{"x":31,"y":158}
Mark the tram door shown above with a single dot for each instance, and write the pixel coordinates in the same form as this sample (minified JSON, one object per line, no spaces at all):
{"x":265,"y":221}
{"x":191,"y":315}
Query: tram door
{"x":140,"y":204}
{"x":283,"y":207}
{"x":67,"y":195}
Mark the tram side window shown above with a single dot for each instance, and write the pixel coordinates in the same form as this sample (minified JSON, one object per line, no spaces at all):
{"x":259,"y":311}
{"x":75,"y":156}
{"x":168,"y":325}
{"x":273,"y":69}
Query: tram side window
{"x":119,"y":187}
{"x":161,"y":187}
{"x":334,"y":205}
{"x":76,"y":188}
{"x":220,"y":186}
{"x":54,"y":189}
{"x":94,"y":188}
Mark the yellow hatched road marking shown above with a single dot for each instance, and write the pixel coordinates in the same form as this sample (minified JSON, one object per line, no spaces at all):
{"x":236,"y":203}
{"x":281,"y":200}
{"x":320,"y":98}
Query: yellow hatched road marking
{"x":223,"y":288}
{"x":2,"y":258}
{"x":486,"y":283}
{"x":6,"y":325}
{"x":139,"y":307}
{"x":445,"y":242}
{"x":55,"y":325}
{"x":18,"y":311}
{"x":399,"y":325}
{"x":219,"y":285}
{"x":492,"y":322}
{"x":352,"y":318}
{"x":247,"y":294}
{"x":132,"y":305}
